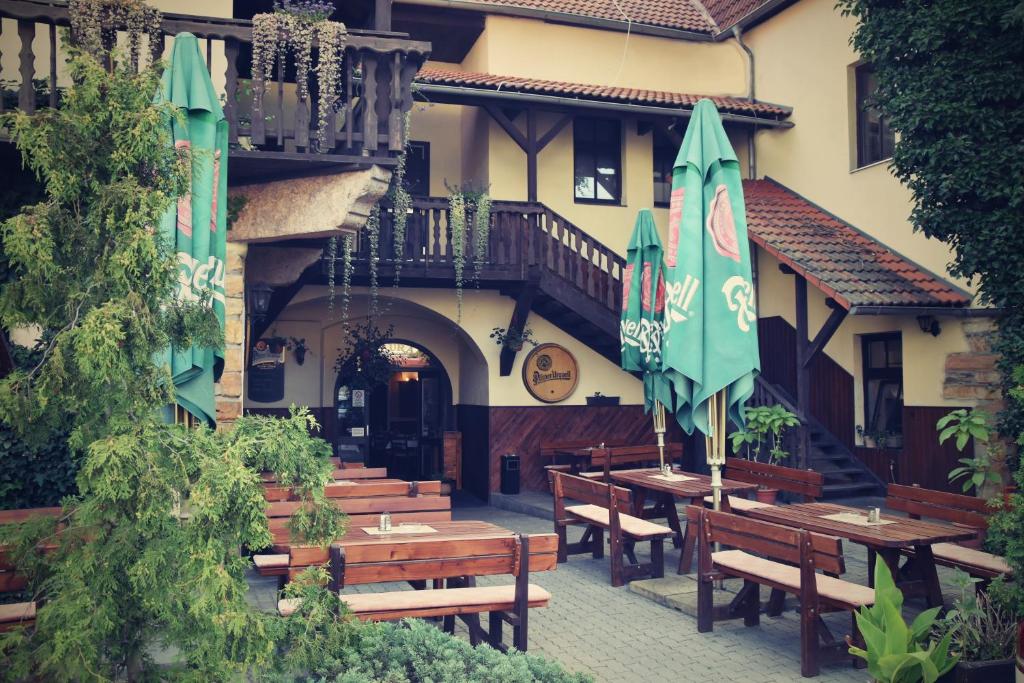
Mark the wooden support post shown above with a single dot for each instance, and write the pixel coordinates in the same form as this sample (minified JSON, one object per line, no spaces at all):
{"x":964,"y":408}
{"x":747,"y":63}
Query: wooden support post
{"x":531,"y":155}
{"x":803,"y":372}
{"x":529,"y":143}
{"x":518,"y":322}
{"x":382,"y":15}
{"x":836,"y":319}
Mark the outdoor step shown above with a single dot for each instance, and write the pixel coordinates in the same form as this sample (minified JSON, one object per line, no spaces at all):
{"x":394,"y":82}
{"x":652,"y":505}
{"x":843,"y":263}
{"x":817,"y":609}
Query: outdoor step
{"x":843,"y":470}
{"x":849,"y":489}
{"x":821,"y":455}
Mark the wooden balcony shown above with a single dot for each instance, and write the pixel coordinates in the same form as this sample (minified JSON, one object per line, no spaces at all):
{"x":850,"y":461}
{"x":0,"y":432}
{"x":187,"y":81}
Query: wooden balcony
{"x":276,"y":140}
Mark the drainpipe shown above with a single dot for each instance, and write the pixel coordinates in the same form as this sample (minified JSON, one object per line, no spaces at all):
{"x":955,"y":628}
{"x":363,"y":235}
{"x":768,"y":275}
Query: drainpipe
{"x":737,"y":32}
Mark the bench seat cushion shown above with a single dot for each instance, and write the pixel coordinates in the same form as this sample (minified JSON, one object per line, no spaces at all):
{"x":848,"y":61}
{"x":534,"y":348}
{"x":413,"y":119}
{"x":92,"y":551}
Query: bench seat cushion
{"x":738,"y":504}
{"x":447,"y":600}
{"x":266,"y":564}
{"x":829,"y":588}
{"x":969,"y":557}
{"x":633,"y":526}
{"x":17,"y":611}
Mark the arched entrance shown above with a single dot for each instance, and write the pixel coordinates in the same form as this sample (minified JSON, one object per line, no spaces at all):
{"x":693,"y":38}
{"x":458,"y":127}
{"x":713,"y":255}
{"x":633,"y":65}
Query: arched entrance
{"x":397,"y":416}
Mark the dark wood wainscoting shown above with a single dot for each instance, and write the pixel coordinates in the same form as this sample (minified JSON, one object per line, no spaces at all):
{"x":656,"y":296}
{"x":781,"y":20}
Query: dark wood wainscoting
{"x":476,"y":459}
{"x":521,"y":430}
{"x":831,"y":385}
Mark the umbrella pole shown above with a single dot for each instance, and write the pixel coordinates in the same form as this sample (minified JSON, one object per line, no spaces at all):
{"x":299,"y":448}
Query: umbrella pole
{"x":715,"y":444}
{"x":659,"y":429}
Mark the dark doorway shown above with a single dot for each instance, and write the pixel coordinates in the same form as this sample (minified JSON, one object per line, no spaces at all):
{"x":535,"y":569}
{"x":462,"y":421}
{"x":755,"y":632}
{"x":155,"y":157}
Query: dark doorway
{"x":400,"y":423}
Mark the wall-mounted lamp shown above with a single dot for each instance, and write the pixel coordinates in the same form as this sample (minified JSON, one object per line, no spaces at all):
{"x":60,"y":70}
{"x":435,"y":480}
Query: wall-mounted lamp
{"x":929,"y":324}
{"x":259,"y":300}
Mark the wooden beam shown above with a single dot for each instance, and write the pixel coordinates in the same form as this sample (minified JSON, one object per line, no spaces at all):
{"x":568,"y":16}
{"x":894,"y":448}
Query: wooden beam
{"x":531,"y":155}
{"x":835,"y":319}
{"x":518,"y":322}
{"x":280,"y":299}
{"x":506,"y":123}
{"x":803,"y":374}
{"x":553,"y":131}
{"x":382,"y":15}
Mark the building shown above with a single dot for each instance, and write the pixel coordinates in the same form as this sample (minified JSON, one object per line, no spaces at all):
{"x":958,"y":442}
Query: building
{"x":568,"y":113}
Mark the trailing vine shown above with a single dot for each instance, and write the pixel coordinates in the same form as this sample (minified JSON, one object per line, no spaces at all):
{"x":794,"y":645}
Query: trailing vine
{"x":481,"y":233}
{"x":332,"y":256}
{"x":95,"y":23}
{"x":373,"y":232}
{"x":457,"y":225}
{"x":401,"y":201}
{"x":346,"y":281}
{"x":294,"y":25}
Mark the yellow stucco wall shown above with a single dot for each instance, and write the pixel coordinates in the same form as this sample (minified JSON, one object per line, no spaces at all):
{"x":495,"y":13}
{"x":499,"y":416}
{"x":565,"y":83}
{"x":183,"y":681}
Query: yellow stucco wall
{"x":427,"y":317}
{"x":803,"y":60}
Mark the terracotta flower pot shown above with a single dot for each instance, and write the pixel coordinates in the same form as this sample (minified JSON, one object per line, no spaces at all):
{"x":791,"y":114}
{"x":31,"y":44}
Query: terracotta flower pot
{"x":766,"y":495}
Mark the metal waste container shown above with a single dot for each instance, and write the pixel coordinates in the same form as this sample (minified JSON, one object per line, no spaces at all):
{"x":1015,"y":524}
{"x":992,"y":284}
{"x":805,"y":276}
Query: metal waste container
{"x":510,"y":474}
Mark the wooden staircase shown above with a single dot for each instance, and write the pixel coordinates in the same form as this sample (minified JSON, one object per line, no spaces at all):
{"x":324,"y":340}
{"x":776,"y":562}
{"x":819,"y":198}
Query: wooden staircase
{"x":554,"y":269}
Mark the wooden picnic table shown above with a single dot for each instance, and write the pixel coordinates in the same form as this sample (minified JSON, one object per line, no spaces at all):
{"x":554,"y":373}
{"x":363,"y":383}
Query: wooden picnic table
{"x":300,"y":557}
{"x":887,"y":540}
{"x":645,"y":482}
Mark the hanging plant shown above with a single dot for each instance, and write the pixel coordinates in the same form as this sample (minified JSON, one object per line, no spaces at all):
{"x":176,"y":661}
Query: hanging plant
{"x":332,"y":256}
{"x":346,"y":281}
{"x":373,"y":232}
{"x":401,"y":201}
{"x":365,"y":361}
{"x":95,"y":23}
{"x":481,"y":233}
{"x":294,"y":25}
{"x":457,"y":224}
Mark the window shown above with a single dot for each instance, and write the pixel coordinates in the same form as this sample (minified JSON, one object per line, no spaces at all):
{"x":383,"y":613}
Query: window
{"x":417,"y":169}
{"x":883,"y":384}
{"x":875,"y":140}
{"x":597,"y":147}
{"x":664,"y":158}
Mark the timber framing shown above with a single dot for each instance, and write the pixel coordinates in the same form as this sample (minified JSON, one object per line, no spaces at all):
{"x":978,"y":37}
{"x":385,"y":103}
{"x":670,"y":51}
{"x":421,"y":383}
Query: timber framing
{"x":524,"y":302}
{"x":529,"y":142}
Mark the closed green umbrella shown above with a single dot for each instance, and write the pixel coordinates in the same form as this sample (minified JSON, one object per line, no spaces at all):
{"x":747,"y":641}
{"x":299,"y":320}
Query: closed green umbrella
{"x":197,"y":224}
{"x":640,"y":325}
{"x":710,"y":343}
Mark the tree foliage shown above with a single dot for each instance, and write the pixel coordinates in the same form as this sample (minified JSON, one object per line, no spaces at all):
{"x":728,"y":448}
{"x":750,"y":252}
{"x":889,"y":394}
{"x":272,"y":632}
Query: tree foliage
{"x":950,"y":84}
{"x":146,"y":555}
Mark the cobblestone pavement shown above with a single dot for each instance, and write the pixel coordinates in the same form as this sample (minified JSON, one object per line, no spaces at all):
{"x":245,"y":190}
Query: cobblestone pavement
{"x":619,"y":636}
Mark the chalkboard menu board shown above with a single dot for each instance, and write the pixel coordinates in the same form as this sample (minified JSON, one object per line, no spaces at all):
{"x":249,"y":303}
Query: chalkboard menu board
{"x":266,"y":384}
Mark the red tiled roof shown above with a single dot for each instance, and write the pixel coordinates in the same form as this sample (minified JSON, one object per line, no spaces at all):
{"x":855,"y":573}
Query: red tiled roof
{"x":731,"y":105}
{"x":728,"y":12}
{"x":837,"y":258}
{"x":677,"y":14}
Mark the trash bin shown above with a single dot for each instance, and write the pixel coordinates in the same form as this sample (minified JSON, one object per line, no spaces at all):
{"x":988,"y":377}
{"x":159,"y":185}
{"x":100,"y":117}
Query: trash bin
{"x":510,"y":474}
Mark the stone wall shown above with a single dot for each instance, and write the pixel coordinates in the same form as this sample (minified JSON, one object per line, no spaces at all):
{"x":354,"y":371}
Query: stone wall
{"x":229,"y":389}
{"x":971,"y":376}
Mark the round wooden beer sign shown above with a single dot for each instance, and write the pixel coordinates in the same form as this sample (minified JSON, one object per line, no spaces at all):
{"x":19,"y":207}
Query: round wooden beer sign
{"x":550,"y":373}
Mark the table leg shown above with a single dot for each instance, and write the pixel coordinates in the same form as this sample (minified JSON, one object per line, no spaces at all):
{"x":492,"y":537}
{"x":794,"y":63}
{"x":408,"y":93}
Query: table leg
{"x":689,"y":543}
{"x":669,"y":502}
{"x":924,"y":564}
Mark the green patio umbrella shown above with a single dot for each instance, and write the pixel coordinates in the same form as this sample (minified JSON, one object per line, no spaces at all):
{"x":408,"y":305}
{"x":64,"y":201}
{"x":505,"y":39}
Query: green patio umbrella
{"x":710,"y":348}
{"x":196,"y":225}
{"x":640,"y":325}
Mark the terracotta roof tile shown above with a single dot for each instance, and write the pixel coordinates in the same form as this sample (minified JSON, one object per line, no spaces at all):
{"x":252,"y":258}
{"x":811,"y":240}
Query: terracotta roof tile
{"x":732,"y":105}
{"x":728,"y":12}
{"x":677,"y":14}
{"x":836,"y":257}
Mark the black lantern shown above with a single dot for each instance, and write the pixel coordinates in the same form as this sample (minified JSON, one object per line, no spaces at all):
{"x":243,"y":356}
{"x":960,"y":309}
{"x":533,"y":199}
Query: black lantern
{"x":259,"y":300}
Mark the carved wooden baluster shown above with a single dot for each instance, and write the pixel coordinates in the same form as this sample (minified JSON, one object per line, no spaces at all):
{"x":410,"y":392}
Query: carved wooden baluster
{"x":26,"y":93}
{"x":280,"y":101}
{"x":231,"y":88}
{"x":369,"y":101}
{"x":259,"y":118}
{"x":53,"y":66}
{"x":1,"y":61}
{"x":395,"y":142}
{"x":330,"y":134}
{"x":209,"y":55}
{"x":351,"y":59}
{"x":449,"y":253}
{"x":385,"y":76}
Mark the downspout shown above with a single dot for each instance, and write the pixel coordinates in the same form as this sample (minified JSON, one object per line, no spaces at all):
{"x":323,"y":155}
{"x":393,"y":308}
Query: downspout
{"x":737,"y":33}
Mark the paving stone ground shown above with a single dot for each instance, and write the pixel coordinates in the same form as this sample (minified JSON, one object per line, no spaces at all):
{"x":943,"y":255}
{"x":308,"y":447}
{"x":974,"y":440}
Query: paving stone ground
{"x":617,"y":635}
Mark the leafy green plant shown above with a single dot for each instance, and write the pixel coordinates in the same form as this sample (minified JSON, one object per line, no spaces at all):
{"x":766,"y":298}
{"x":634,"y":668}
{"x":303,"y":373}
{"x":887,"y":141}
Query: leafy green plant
{"x":513,"y":340}
{"x":373,"y":235}
{"x":982,"y":468}
{"x":894,"y":652}
{"x":764,"y":423}
{"x":481,"y":233}
{"x":875,"y":438}
{"x":981,"y":629}
{"x":364,"y":361}
{"x":401,"y":200}
{"x":457,"y":228}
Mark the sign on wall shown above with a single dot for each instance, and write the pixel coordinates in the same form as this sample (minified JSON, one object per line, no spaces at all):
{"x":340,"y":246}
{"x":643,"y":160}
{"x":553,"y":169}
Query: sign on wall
{"x":550,"y":373}
{"x":266,"y":371}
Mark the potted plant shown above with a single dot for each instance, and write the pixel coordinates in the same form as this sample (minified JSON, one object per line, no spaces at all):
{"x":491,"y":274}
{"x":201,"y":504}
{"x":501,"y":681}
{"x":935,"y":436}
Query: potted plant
{"x":511,"y":339}
{"x":983,"y":472}
{"x":599,"y":399}
{"x":764,"y":425}
{"x":894,"y":651}
{"x":982,"y":634}
{"x":879,"y":438}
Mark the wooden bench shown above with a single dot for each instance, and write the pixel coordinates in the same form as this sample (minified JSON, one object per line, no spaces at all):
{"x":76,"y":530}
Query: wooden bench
{"x":361,"y":488}
{"x":605,"y":506}
{"x":967,"y":511}
{"x":17,"y":614}
{"x":807,"y":484}
{"x":617,"y":457}
{"x":785,"y":559}
{"x":367,"y":511}
{"x":343,"y":473}
{"x":459,"y":563}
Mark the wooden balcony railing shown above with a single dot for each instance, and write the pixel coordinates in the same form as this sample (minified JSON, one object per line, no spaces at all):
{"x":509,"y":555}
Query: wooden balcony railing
{"x":522,"y":237}
{"x":367,"y":124}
